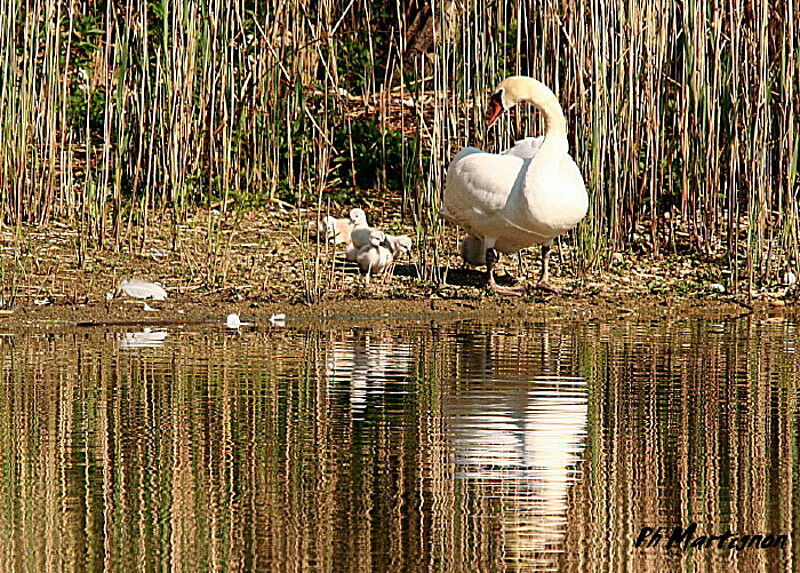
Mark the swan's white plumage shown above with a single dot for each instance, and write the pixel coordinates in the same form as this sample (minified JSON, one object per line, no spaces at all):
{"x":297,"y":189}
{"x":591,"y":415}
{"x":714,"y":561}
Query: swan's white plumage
{"x":526,"y":148}
{"x":398,"y":244}
{"x":336,"y":230}
{"x":374,"y":258}
{"x":528,"y":195}
{"x":518,"y":202}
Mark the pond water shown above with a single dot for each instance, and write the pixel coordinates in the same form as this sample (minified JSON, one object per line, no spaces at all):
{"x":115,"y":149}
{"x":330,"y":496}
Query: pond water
{"x":416,"y":445}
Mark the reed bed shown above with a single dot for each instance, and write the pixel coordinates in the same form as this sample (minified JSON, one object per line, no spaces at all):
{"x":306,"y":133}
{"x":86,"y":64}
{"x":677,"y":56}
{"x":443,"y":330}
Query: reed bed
{"x":683,"y":115}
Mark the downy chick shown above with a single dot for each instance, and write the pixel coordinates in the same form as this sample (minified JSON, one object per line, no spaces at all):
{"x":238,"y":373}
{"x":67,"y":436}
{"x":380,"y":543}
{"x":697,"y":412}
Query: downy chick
{"x":398,"y":244}
{"x":374,"y":258}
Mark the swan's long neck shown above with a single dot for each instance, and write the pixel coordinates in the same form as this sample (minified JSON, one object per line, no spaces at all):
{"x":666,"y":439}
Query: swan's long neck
{"x":535,"y":92}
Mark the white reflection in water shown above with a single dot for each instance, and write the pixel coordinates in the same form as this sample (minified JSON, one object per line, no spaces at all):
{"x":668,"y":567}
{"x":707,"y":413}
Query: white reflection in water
{"x":364,"y":363}
{"x":147,"y":338}
{"x":520,"y":443}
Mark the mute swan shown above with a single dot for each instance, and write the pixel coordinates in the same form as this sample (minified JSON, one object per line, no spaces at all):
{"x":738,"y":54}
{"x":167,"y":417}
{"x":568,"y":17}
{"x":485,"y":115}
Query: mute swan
{"x":398,"y":245}
{"x":359,"y":238}
{"x":325,"y":230}
{"x":523,"y":197}
{"x":473,"y":252}
{"x":358,"y":219}
{"x":374,"y":258}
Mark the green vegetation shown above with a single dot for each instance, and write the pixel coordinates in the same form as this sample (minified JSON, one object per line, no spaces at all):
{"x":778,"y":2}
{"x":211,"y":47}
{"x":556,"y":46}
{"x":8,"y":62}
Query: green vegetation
{"x":683,"y":115}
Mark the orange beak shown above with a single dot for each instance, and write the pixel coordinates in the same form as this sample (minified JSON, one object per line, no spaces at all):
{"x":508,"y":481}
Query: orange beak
{"x":494,"y":110}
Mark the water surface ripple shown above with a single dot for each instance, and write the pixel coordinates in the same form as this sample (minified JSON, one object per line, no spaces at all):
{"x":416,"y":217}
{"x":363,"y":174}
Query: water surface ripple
{"x":456,"y":446}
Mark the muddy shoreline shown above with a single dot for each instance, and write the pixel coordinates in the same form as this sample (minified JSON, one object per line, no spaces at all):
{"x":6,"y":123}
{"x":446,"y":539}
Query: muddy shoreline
{"x":261,"y":263}
{"x":130,"y":314}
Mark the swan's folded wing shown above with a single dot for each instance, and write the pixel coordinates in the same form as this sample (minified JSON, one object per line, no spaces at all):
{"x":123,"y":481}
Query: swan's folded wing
{"x":526,"y":148}
{"x":478,"y":185}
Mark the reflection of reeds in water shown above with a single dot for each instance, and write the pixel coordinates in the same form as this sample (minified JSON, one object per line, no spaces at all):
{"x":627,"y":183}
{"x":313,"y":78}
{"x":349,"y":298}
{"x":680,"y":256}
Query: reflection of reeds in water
{"x":696,"y":424}
{"x":262,"y":451}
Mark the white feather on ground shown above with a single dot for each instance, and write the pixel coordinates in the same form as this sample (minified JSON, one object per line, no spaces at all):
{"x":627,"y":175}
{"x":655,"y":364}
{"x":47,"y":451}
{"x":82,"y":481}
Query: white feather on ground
{"x":139,"y":289}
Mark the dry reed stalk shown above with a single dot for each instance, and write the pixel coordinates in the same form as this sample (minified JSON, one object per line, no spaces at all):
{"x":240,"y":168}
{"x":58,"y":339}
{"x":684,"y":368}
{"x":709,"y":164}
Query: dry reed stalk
{"x":113,"y":113}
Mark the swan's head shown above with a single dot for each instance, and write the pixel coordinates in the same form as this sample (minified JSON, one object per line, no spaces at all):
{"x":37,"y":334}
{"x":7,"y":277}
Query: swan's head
{"x":376,"y":238}
{"x":507,"y":94}
{"x":496,"y":107}
{"x":514,"y":90}
{"x":404,"y":243}
{"x":358,"y":217}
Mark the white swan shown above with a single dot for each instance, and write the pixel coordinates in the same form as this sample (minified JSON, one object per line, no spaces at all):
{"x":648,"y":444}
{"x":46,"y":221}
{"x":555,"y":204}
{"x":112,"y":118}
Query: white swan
{"x":360,"y":237}
{"x":472,"y":251}
{"x":358,"y":218}
{"x":523,"y":197}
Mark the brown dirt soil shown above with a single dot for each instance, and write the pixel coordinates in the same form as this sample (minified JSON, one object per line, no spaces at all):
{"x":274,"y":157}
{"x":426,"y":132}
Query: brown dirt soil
{"x":261,"y":263}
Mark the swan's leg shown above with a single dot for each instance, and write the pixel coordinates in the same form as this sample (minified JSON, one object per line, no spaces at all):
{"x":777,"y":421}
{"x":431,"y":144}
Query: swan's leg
{"x":388,"y":272}
{"x":544,"y":280}
{"x":491,"y":259}
{"x":545,"y":264}
{"x":523,"y":270}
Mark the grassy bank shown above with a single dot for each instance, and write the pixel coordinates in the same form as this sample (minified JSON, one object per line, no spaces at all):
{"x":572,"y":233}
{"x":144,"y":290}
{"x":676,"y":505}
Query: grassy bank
{"x":683,"y":119}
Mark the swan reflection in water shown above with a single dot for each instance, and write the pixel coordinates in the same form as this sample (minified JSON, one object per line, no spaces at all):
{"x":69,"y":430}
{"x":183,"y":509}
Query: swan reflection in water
{"x":364,"y":362}
{"x":518,"y":435}
{"x":516,"y":423}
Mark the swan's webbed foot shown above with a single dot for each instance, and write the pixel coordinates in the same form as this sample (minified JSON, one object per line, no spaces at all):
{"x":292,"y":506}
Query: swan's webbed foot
{"x":491,"y":259}
{"x":549,"y":287}
{"x":544,"y":282}
{"x":519,"y":290}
